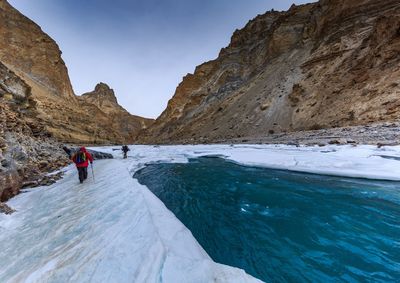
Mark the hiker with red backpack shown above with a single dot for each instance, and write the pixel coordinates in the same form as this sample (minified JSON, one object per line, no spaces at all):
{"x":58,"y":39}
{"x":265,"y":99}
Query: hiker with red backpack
{"x":81,"y":160}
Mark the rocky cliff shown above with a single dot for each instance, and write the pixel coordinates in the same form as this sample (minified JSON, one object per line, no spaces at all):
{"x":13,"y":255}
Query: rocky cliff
{"x":36,"y":58}
{"x":328,"y":64}
{"x":38,"y":108}
{"x":121,"y":121}
{"x":32,"y":54}
{"x":26,"y":151}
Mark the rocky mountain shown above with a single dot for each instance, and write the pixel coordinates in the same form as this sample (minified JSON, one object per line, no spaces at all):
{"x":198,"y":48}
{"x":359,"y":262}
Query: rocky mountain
{"x":26,"y":151}
{"x":328,"y":64}
{"x":103,"y":97}
{"x":39,"y":110}
{"x":121,"y":120}
{"x":32,"y":54}
{"x":36,"y":58}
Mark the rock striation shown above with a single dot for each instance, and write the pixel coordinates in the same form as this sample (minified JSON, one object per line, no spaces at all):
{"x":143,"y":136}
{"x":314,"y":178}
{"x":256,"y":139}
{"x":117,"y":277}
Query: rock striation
{"x":121,"y":121}
{"x":27,"y":152}
{"x":32,"y":54}
{"x":38,"y":108}
{"x":36,"y":58}
{"x":333,"y":63}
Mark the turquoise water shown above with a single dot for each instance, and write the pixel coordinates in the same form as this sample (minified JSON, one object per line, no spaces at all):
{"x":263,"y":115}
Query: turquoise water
{"x":282,"y":226}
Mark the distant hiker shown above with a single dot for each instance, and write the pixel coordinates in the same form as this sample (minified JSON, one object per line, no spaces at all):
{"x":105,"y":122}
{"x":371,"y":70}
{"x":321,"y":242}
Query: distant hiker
{"x":67,"y":151}
{"x":125,"y":150}
{"x":81,"y":159}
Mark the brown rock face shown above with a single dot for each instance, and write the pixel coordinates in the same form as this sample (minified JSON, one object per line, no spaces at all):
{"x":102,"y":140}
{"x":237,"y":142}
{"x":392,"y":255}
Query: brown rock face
{"x":103,"y":97}
{"x":120,"y":120}
{"x":31,"y":53}
{"x":322,"y":65}
{"x":38,"y":108}
{"x":35,"y":58}
{"x":24,"y":143}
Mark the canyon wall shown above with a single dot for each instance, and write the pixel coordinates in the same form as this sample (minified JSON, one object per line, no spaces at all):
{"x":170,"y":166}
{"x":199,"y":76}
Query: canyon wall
{"x":27,"y":152}
{"x":39,"y":110}
{"x":36,"y":58}
{"x":328,"y":64}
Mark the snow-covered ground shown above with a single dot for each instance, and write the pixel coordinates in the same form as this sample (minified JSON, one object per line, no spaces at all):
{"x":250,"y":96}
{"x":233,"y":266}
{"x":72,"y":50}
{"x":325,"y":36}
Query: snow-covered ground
{"x":112,"y":229}
{"x":350,"y":161}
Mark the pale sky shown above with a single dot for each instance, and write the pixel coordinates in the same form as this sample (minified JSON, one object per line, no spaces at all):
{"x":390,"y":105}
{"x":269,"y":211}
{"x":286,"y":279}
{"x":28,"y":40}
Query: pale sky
{"x":141,"y":48}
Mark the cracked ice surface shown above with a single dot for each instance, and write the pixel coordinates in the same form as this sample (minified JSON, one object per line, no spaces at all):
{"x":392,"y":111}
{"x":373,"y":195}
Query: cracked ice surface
{"x":115,"y":230}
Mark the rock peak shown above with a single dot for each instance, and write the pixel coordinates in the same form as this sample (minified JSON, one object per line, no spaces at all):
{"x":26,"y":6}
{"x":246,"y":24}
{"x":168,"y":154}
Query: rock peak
{"x":102,"y":92}
{"x":103,"y":87}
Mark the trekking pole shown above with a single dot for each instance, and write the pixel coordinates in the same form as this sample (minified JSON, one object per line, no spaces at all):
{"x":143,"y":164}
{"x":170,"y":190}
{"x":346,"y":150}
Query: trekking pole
{"x":91,"y":166}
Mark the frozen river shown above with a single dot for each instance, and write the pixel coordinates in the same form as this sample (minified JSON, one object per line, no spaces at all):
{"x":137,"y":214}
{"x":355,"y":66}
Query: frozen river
{"x":116,"y":230}
{"x":283,"y":226}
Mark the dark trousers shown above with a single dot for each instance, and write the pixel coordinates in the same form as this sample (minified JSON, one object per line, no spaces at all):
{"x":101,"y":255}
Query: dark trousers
{"x":82,"y":171}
